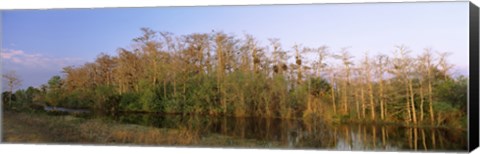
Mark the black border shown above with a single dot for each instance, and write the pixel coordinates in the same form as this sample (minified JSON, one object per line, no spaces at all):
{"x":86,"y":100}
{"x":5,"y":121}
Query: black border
{"x":473,"y":122}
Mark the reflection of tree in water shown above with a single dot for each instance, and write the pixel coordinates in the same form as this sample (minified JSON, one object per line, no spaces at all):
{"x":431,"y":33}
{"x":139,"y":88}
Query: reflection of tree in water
{"x":316,"y":135}
{"x":389,"y":138}
{"x":308,"y":133}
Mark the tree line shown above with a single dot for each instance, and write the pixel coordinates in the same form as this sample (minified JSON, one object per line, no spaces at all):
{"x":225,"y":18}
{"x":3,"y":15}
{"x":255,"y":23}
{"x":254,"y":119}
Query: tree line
{"x":223,"y":74}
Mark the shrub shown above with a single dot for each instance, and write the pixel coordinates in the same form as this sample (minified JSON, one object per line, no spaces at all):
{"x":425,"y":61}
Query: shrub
{"x":129,"y":102}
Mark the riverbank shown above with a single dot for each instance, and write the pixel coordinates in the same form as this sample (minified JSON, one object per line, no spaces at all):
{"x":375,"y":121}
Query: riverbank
{"x":145,"y":130}
{"x":19,"y":127}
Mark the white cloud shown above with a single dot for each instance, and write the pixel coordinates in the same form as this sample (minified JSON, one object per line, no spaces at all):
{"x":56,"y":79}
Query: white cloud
{"x":10,"y":54}
{"x":34,"y":68}
{"x":36,"y":60}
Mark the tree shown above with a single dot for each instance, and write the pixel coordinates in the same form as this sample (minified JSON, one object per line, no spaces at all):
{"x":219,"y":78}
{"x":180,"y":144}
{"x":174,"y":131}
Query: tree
{"x":220,"y":40}
{"x":368,"y":80}
{"x":444,"y":65}
{"x":333,"y":84}
{"x":426,"y":70}
{"x":8,"y":97}
{"x":402,"y":67}
{"x":279,"y":56}
{"x":25,"y":97}
{"x":218,"y":73}
{"x":31,"y":93}
{"x":319,"y":65}
{"x":106,"y":101}
{"x":127,"y":71}
{"x":361,"y":86}
{"x":13,"y":81}
{"x":54,"y":90}
{"x":380,"y":65}
{"x":149,"y":48}
{"x":105,"y":65}
{"x":345,"y":57}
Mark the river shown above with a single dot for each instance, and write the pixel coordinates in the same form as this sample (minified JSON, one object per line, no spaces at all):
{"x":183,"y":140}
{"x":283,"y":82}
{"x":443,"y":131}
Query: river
{"x":283,"y":133}
{"x":303,"y":134}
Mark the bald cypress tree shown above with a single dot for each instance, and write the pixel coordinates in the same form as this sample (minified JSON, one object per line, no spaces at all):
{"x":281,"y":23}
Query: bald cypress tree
{"x":345,"y":57}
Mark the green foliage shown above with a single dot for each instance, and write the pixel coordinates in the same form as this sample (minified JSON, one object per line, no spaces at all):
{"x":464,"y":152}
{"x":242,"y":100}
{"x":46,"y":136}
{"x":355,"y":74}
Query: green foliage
{"x":444,"y":107}
{"x":8,"y":99}
{"x":150,"y":101}
{"x":235,"y":94}
{"x":129,"y":102}
{"x":203,"y":94}
{"x":172,"y":106}
{"x":447,"y":114}
{"x":54,"y":93}
{"x":106,"y":100}
{"x":298,"y":99}
{"x":453,"y":92}
{"x":225,"y":75}
{"x":319,"y":86}
{"x":78,"y":99}
{"x":22,"y":97}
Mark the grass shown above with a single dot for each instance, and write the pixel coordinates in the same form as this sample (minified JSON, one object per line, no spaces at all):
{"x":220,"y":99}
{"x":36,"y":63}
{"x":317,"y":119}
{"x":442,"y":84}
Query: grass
{"x":20,"y":127}
{"x":43,"y":128}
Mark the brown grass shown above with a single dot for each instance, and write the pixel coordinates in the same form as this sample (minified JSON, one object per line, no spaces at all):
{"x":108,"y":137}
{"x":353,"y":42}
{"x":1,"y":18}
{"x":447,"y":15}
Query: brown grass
{"x":42,"y":128}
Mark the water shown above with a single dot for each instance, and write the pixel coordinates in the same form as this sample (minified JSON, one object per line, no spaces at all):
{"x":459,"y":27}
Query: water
{"x":301,"y":134}
{"x":67,"y":110}
{"x":312,"y":134}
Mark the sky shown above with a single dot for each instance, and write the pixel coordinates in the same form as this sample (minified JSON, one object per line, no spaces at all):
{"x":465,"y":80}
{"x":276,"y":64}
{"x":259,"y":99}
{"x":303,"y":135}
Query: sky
{"x":37,"y":44}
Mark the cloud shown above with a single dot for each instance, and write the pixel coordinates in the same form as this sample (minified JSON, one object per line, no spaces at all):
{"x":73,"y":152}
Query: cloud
{"x":34,"y":68}
{"x":36,"y":60}
{"x":9,"y":54}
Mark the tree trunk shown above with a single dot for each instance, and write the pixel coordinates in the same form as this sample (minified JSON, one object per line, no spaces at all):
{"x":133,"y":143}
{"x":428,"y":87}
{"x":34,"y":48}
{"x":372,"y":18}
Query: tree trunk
{"x":154,"y":71}
{"x":430,"y":100}
{"x":309,"y":100}
{"x":362,"y":95}
{"x":370,"y":93}
{"x":412,"y":100}
{"x":421,"y":102}
{"x":332,"y":89}
{"x":382,"y":106}
{"x":408,"y":116}
{"x":345,"y":99}
{"x":357,"y":104}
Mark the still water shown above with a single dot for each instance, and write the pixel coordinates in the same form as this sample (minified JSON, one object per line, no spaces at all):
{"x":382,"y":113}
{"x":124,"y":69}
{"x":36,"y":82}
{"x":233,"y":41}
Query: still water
{"x":62,"y":109}
{"x":312,"y":134}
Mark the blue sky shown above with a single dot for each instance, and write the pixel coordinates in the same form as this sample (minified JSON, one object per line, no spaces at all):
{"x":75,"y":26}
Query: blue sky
{"x":38,"y":43}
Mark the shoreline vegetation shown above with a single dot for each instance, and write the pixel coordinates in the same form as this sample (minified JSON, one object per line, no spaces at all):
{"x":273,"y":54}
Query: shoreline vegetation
{"x":226,"y":75}
{"x":51,"y":128}
{"x":86,"y":112}
{"x":67,"y":129}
